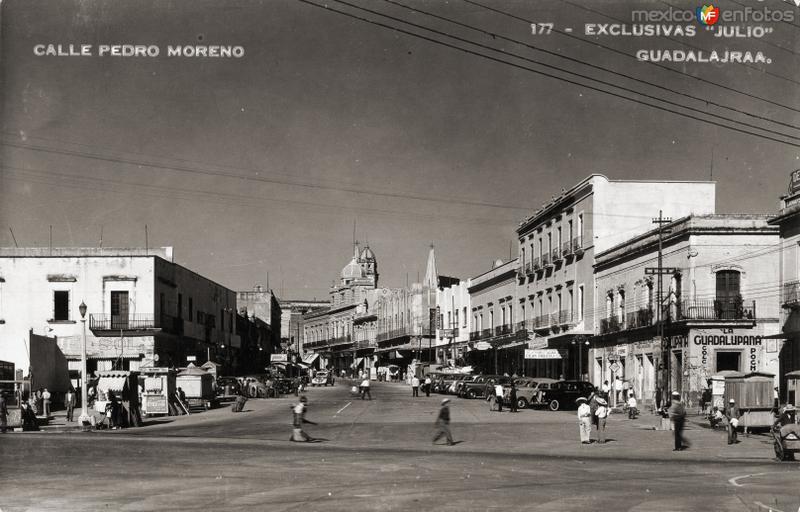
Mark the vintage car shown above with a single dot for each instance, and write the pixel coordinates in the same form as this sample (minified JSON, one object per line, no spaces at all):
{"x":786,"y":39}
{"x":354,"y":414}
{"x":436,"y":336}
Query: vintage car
{"x":562,"y":394}
{"x":443,"y":382}
{"x":228,"y":386}
{"x":529,"y":390}
{"x":254,"y":386}
{"x":480,"y":386}
{"x":462,"y":381}
{"x":322,"y":378}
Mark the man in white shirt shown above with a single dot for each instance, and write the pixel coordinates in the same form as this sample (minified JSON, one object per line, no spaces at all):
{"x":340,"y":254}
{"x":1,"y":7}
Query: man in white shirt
{"x":428,"y":383}
{"x":414,"y":386}
{"x":498,"y":391}
{"x":584,"y":420}
{"x":365,"y":388}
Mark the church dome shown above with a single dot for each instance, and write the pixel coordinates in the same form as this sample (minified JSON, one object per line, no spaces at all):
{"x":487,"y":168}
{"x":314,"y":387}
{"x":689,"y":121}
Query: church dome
{"x":352,"y":270}
{"x":367,"y":254}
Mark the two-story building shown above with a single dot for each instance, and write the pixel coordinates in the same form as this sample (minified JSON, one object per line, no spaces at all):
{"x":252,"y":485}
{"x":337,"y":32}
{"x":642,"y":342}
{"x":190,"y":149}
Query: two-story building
{"x":142,"y":307}
{"x":455,"y":321}
{"x":557,"y":247}
{"x":717,"y":273}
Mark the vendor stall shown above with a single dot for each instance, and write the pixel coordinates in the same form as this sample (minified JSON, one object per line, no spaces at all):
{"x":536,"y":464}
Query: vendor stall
{"x":157,"y":389}
{"x":753,"y":395}
{"x":718,"y":386}
{"x":198,"y":385}
{"x":121,"y":389}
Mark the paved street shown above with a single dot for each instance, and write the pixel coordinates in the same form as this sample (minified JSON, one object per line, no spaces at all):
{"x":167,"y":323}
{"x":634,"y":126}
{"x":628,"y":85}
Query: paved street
{"x":377,"y":456}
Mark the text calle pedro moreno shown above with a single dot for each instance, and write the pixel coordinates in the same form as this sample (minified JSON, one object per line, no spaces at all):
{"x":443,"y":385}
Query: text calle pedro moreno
{"x":137,"y":50}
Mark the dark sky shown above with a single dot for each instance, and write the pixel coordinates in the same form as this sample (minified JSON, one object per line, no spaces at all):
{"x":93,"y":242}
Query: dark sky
{"x":261,"y":164}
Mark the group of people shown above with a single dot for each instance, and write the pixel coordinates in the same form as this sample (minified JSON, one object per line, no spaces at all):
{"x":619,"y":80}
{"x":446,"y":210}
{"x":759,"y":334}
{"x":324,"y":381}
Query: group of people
{"x":496,"y":397}
{"x":426,"y":384}
{"x":592,"y":411}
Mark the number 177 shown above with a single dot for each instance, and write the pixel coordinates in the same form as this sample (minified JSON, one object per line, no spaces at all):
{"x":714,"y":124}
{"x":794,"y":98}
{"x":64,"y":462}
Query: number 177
{"x":541,"y":28}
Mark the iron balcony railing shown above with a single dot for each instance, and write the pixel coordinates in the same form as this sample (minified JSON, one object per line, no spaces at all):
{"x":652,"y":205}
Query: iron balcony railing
{"x":542,"y":321}
{"x":791,"y":294}
{"x":566,"y":248}
{"x":536,"y":264}
{"x":555,"y":255}
{"x":608,"y":325}
{"x":474,"y":335}
{"x":563,"y":317}
{"x":546,"y":260}
{"x":390,"y":335}
{"x":577,"y":245}
{"x":716,"y":309}
{"x":503,"y":329}
{"x":642,"y":317}
{"x":123,"y":323}
{"x":341,"y":339}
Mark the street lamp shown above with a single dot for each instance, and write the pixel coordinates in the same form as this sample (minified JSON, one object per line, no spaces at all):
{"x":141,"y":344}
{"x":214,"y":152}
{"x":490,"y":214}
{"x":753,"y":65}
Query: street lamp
{"x":84,"y":417}
{"x":579,"y":342}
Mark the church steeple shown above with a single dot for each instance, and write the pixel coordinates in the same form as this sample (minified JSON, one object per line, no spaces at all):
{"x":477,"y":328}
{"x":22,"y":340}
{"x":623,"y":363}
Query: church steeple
{"x":431,"y":275}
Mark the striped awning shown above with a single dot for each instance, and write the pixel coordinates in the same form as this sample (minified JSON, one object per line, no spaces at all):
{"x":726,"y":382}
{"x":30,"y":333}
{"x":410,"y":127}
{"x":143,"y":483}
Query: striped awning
{"x":115,"y":384}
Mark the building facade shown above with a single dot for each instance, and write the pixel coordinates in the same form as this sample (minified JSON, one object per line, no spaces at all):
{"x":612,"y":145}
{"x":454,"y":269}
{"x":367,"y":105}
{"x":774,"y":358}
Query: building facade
{"x":143,"y":309}
{"x":788,"y":221}
{"x":455,"y":321}
{"x":716,"y":307}
{"x":557,"y":247}
{"x":497,"y":341}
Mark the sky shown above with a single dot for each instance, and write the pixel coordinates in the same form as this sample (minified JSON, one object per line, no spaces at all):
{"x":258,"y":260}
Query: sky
{"x":261,"y":165}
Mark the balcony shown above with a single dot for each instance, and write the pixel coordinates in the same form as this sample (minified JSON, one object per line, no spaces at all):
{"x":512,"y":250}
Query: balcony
{"x":555,"y":255}
{"x":563,"y":317}
{"x":110,"y":324}
{"x":474,"y":336}
{"x":542,"y":322}
{"x":521,"y":326}
{"x":791,"y":294}
{"x":566,"y":249}
{"x":502,"y":330}
{"x":393,"y":334}
{"x":577,"y":245}
{"x":731,"y":310}
{"x":547,"y":262}
{"x":609,"y":325}
{"x":536,"y":264}
{"x":643,"y":317}
{"x":341,"y":340}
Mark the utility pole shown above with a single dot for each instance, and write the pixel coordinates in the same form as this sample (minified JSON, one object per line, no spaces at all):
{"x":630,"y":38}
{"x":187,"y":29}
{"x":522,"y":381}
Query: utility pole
{"x":659,"y":272}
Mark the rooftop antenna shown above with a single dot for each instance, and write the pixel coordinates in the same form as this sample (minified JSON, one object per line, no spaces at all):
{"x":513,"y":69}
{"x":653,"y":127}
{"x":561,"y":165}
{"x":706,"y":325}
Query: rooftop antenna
{"x":146,"y":241}
{"x":267,"y":280}
{"x":354,"y":231}
{"x":101,"y":235}
{"x":51,"y":239}
{"x":13,"y":237}
{"x":711,"y":178}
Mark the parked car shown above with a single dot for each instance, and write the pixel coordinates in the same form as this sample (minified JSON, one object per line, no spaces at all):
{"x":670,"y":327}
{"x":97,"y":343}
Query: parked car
{"x":443,"y":382}
{"x":529,"y":390}
{"x":458,"y":386}
{"x":254,"y":386}
{"x":562,"y":394}
{"x":228,"y":386}
{"x":477,"y":387}
{"x":322,"y":378}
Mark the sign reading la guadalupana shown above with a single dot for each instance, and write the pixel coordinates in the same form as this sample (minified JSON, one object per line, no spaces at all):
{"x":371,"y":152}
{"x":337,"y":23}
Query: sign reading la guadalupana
{"x":138,"y":50}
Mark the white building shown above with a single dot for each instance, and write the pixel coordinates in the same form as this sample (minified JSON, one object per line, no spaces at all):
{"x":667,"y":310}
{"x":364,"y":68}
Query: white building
{"x":142,"y":307}
{"x":455,"y":320}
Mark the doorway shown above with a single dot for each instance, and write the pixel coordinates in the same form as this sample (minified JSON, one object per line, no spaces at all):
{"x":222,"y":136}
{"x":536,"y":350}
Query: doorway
{"x":728,"y":361}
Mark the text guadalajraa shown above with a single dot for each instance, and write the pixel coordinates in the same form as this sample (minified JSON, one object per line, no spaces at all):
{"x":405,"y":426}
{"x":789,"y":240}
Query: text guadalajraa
{"x":137,"y":50}
{"x":723,"y":57}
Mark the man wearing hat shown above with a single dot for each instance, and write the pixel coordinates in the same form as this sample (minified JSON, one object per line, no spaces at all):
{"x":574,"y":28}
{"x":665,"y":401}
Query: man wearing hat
{"x":443,"y":424}
{"x":732,"y":413}
{"x":584,"y":420}
{"x":788,"y":421}
{"x":602,"y":414}
{"x":677,"y":414}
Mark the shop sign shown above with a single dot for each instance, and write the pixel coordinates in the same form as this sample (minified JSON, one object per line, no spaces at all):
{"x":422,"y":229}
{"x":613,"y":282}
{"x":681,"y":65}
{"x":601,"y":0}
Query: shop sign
{"x":794,"y":182}
{"x":615,"y":367}
{"x":155,"y":404}
{"x":482,"y":345}
{"x":191,"y":359}
{"x":537,"y":342}
{"x":279,"y":358}
{"x":547,"y":353}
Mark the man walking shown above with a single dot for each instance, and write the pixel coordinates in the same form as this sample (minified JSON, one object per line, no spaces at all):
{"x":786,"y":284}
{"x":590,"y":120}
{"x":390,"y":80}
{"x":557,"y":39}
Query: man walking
{"x":414,"y":386}
{"x":732,"y":413}
{"x":46,"y":402}
{"x":498,"y":391}
{"x":365,"y":388}
{"x":299,"y":418}
{"x":677,"y":414}
{"x":584,"y":420}
{"x":443,"y":424}
{"x":602,"y":414}
{"x":428,"y":385}
{"x":69,"y":403}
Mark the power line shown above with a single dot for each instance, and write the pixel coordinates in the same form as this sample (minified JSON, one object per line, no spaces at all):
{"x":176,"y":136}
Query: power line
{"x":629,"y":56}
{"x":519,"y":66}
{"x":556,"y":68}
{"x":197,"y":170}
{"x":589,"y":64}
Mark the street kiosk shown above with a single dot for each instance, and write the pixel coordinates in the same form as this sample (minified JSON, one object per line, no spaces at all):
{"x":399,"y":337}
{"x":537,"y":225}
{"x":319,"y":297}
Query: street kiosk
{"x":754,"y":396}
{"x":198,"y":385}
{"x":157,"y":388}
{"x":793,"y":388}
{"x":124,"y":386}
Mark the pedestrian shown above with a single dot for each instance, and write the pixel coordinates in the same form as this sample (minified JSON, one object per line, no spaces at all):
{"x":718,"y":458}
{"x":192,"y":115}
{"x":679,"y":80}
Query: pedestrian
{"x":512,"y":397}
{"x":626,"y":388}
{"x":414,"y":386}
{"x":602,"y":414}
{"x":498,"y":392}
{"x":617,"y":389}
{"x":593,"y":405}
{"x":584,"y":420}
{"x":658,"y":399}
{"x":365,"y":388}
{"x":606,"y":389}
{"x":732,"y":414}
{"x":299,"y":418}
{"x":3,"y":413}
{"x":677,"y":413}
{"x":28,"y":418}
{"x":632,"y":410}
{"x":46,"y":402}
{"x":428,"y":385}
{"x":69,"y":403}
{"x":443,"y":424}
{"x":39,"y":401}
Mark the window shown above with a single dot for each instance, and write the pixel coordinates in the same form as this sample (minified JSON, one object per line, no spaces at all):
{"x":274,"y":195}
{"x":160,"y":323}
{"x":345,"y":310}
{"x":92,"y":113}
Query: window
{"x":621,"y":306}
{"x":570,"y":304}
{"x":728,"y":361}
{"x":728,"y":285}
{"x":511,"y":314}
{"x":180,"y":306}
{"x":579,"y":234}
{"x":60,"y":305}
{"x":522,"y":257}
{"x":191,"y":309}
{"x":119,"y":309}
{"x":464,"y":316}
{"x":558,"y":238}
{"x":569,"y":230}
{"x":580,"y":303}
{"x":522,"y":312}
{"x":491,"y":319}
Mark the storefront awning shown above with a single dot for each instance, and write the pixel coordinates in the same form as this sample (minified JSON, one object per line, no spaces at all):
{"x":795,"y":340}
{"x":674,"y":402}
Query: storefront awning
{"x":513,"y":345}
{"x":782,"y":336}
{"x":310,"y":358}
{"x":560,"y":339}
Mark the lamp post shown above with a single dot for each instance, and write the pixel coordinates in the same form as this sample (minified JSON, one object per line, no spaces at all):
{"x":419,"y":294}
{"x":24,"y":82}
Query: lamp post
{"x":579,"y":342}
{"x":84,"y":417}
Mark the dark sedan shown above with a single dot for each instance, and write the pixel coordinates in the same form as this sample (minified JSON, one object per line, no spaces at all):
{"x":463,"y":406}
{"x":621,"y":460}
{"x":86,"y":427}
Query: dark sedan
{"x":562,"y":394}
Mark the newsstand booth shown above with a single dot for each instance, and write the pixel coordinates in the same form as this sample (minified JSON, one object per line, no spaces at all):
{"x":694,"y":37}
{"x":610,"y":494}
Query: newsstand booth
{"x":198,"y":385}
{"x":125,"y":388}
{"x":157,"y":387}
{"x":753,"y":395}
